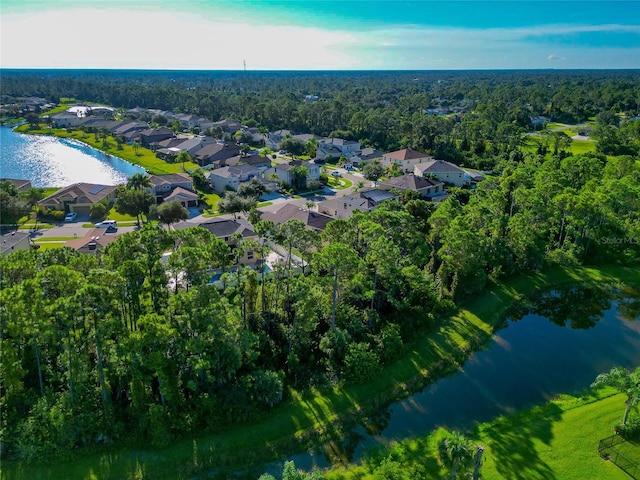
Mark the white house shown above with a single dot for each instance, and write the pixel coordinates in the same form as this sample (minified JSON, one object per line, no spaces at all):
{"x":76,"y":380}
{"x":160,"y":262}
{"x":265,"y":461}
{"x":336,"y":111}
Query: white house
{"x":337,"y":147}
{"x":225,"y":178}
{"x":283,"y":171}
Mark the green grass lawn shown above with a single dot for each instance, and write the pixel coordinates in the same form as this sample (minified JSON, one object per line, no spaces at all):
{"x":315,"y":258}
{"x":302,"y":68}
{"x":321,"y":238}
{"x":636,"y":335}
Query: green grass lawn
{"x":144,"y":158}
{"x":209,"y":202}
{"x":557,"y":440}
{"x":317,"y":416}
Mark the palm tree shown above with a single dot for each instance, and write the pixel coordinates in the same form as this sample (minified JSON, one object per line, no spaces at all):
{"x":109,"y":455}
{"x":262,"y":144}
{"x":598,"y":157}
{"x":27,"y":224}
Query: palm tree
{"x":625,"y":382}
{"x":139,"y":181}
{"x":264,"y":131}
{"x":455,"y":453}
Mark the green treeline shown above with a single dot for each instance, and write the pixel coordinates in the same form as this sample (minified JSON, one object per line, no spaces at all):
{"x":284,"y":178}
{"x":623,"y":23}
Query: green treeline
{"x":99,"y":348}
{"x":385,"y":110}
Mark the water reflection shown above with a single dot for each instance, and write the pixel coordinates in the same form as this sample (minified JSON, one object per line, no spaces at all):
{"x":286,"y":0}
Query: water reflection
{"x":579,"y":307}
{"x":50,"y":161}
{"x":535,"y":358}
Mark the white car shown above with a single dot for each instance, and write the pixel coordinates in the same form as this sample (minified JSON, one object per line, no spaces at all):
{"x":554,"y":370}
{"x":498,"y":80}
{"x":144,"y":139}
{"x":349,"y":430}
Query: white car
{"x":336,"y":173}
{"x":71,"y":216}
{"x":106,"y":224}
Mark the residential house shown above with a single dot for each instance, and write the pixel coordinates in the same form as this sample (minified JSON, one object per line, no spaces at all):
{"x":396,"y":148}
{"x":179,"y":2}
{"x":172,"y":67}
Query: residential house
{"x":273,"y":139}
{"x":162,"y":186}
{"x":406,"y":159}
{"x":21,"y":185}
{"x":227,"y":231}
{"x":14,"y":241}
{"x":186,"y":198}
{"x":256,"y":161}
{"x":128,"y":126}
{"x":227,"y":126}
{"x":95,"y":239}
{"x":225,"y":178}
{"x":65,"y":120}
{"x":215,"y":153}
{"x":336,"y":147}
{"x":364,"y":156}
{"x":364,"y":201}
{"x":78,"y":197}
{"x":444,"y":171}
{"x":188,"y":120}
{"x":283,"y":171}
{"x":191,"y":145}
{"x":150,"y":135}
{"x":168,"y":147}
{"x":312,"y":220}
{"x":427,"y":187}
{"x":98,"y":124}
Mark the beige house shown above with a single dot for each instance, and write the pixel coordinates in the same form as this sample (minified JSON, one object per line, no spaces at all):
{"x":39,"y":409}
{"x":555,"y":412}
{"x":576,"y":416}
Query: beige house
{"x":77,"y":197}
{"x":163,"y":186}
{"x":227,"y":230}
{"x":444,"y":171}
{"x":186,"y":198}
{"x":364,"y":201}
{"x":427,"y":187}
{"x":406,"y":159}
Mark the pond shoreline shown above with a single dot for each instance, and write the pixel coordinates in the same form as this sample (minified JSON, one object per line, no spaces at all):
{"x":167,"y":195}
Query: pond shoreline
{"x":235,"y":449}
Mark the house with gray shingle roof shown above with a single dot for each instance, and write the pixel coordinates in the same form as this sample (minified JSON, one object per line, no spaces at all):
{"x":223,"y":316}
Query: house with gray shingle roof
{"x":225,"y":178}
{"x":427,"y":187}
{"x":444,"y":171}
{"x":364,"y":201}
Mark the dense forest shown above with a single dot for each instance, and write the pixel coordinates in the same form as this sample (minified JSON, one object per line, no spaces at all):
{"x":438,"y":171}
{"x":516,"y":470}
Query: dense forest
{"x":385,"y":110}
{"x":99,"y":348}
{"x":102,"y":342}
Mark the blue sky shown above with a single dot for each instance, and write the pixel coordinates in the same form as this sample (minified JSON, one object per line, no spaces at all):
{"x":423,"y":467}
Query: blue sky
{"x":319,"y":35}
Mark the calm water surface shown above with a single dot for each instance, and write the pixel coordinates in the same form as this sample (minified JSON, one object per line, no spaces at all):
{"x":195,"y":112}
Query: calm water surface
{"x":57,"y":162}
{"x":558,"y":346}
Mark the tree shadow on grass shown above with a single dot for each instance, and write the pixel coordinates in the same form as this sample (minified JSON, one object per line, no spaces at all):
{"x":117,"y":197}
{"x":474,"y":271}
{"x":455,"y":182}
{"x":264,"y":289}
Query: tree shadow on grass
{"x":512,"y":443}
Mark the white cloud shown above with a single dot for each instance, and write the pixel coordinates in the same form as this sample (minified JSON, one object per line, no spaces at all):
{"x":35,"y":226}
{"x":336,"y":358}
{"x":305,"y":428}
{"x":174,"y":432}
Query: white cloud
{"x":115,"y":38}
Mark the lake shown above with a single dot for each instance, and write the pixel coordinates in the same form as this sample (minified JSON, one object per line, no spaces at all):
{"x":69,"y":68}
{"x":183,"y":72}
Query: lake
{"x":56,"y":162}
{"x":557,"y":345}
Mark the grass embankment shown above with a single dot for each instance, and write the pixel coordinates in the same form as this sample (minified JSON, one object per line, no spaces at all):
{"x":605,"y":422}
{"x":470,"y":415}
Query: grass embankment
{"x":145,"y":158}
{"x":557,"y":440}
{"x":317,"y":416}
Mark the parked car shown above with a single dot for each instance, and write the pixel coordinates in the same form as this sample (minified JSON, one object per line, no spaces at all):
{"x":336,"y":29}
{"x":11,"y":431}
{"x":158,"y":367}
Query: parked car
{"x":336,"y":173}
{"x":106,"y":224}
{"x":71,"y":216}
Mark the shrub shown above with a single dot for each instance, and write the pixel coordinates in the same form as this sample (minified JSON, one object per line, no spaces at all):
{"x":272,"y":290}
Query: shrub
{"x":631,"y":430}
{"x":57,"y":215}
{"x":390,"y":342}
{"x":97,"y":211}
{"x":360,"y":363}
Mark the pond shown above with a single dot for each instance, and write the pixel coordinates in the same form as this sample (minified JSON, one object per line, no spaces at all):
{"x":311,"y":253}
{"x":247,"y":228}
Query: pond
{"x":56,"y":162}
{"x":558,"y":344}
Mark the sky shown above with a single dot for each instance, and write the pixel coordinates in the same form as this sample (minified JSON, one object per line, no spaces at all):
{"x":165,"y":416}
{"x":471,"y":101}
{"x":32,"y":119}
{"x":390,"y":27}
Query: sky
{"x":319,"y":34}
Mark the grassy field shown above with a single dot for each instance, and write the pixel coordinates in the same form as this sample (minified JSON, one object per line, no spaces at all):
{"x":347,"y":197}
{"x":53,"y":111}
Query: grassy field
{"x":557,"y":440}
{"x":144,"y":158}
{"x":577,"y":146}
{"x":316,"y":416}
